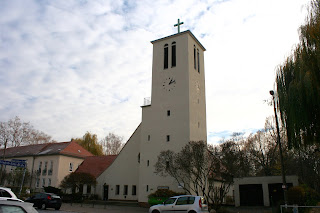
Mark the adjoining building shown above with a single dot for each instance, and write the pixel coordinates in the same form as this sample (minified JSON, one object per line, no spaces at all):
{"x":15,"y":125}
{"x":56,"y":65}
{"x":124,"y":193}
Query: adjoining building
{"x":47,"y":163}
{"x":261,"y":191}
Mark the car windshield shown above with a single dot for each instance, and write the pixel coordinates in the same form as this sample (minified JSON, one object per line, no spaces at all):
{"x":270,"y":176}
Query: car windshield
{"x":170,"y":201}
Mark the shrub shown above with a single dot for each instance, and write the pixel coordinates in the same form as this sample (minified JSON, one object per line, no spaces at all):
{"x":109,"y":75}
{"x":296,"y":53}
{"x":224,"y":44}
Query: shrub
{"x":163,"y":193}
{"x":296,"y":195}
{"x":303,"y":195}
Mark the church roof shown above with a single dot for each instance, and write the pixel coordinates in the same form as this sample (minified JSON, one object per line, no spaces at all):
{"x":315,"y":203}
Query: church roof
{"x":95,"y":165}
{"x":178,"y":34}
{"x":70,"y":148}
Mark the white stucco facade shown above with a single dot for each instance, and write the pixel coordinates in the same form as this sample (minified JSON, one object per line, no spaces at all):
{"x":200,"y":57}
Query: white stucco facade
{"x":176,"y":115}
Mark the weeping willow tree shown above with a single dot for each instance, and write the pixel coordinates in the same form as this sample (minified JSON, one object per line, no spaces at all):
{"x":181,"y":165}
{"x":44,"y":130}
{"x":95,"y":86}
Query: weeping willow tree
{"x":298,"y":84}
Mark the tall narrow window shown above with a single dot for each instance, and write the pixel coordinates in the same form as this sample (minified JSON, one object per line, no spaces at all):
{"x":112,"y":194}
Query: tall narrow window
{"x":125,"y":190}
{"x":70,"y":167}
{"x":149,"y":137}
{"x":194,"y":57}
{"x":148,"y":162}
{"x":168,"y":113}
{"x":147,"y":189}
{"x":173,"y":55}
{"x":39,"y":169}
{"x":134,"y":190}
{"x":198,"y":59}
{"x":117,"y":189}
{"x":166,"y":56}
{"x":168,"y":138}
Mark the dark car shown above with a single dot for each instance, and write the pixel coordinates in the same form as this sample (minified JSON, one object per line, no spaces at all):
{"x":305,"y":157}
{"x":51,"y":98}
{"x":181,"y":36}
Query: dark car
{"x":45,"y":200}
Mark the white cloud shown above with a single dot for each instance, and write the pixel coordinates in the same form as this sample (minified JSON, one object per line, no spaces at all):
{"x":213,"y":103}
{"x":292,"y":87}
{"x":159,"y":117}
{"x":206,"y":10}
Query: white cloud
{"x":74,"y":66}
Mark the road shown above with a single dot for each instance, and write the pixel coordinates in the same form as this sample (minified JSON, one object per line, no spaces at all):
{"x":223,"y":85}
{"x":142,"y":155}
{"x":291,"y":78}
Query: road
{"x":86,"y":208}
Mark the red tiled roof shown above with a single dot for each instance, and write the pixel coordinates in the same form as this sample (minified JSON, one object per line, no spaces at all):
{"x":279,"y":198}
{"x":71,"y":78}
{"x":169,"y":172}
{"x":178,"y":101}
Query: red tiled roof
{"x":75,"y":149}
{"x":95,"y":165}
{"x":66,"y":148}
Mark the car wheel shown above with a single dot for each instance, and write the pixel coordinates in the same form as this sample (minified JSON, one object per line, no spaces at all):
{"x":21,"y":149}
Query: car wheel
{"x":43,"y":206}
{"x":192,"y":211}
{"x":155,"y":211}
{"x":57,"y":208}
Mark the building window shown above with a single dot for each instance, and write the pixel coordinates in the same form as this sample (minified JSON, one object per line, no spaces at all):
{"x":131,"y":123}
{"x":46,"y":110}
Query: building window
{"x":194,"y":57}
{"x":51,"y":168}
{"x":39,"y":169}
{"x":147,"y":189}
{"x":43,"y":182}
{"x":148,"y":162}
{"x":49,"y":181}
{"x":125,"y":190}
{"x":117,"y":189}
{"x":166,"y":56}
{"x":89,"y":189}
{"x":168,"y":113}
{"x":173,"y":54}
{"x":44,"y":172}
{"x":139,"y":158}
{"x":134,"y":190}
{"x":149,"y":137}
{"x":167,"y":165}
{"x":198,"y":59}
{"x":38,"y":182}
{"x":70,"y":167}
{"x":168,"y":138}
{"x":198,"y":124}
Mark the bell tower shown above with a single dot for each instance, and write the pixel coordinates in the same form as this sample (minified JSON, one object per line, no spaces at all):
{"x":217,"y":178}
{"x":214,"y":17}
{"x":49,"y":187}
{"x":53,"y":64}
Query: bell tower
{"x":177,"y":112}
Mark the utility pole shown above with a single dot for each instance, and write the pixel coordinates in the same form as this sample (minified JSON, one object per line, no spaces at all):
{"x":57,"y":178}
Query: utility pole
{"x":284,"y":182}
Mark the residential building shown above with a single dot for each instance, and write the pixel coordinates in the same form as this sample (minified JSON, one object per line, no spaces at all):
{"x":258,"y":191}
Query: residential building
{"x":47,"y":163}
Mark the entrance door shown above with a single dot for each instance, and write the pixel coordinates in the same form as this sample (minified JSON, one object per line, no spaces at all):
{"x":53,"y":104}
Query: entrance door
{"x":105,"y":192}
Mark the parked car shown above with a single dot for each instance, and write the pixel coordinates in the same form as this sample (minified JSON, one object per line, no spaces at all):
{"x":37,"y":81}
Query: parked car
{"x":7,"y":194}
{"x":183,"y":203}
{"x":45,"y":200}
{"x":16,"y":206}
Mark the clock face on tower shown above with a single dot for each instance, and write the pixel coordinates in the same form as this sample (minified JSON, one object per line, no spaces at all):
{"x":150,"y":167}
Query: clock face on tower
{"x":169,"y":84}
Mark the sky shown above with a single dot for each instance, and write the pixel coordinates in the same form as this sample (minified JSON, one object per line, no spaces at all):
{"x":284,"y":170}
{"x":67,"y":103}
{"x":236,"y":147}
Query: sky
{"x":69,"y":67}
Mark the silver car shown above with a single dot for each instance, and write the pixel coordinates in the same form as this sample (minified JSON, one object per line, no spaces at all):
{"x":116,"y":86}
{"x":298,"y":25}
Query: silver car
{"x":16,"y":206}
{"x":183,"y":204}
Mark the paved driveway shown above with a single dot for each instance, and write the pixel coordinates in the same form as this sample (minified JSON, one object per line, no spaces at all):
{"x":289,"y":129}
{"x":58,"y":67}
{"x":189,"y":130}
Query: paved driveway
{"x":88,"y":208}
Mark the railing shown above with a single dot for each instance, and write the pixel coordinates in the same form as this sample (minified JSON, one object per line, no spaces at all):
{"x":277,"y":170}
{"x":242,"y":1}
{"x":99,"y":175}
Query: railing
{"x":147,"y":101}
{"x":295,"y":208}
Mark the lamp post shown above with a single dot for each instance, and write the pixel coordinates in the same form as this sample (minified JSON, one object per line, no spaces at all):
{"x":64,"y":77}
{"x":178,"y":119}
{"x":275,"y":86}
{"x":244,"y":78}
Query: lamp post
{"x":284,"y":182}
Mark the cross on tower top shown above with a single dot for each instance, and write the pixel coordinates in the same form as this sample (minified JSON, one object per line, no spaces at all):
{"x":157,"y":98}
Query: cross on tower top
{"x":178,"y":25}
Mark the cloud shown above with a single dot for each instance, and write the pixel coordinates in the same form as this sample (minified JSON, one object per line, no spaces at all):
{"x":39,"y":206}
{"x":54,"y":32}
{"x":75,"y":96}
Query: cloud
{"x":74,"y":66}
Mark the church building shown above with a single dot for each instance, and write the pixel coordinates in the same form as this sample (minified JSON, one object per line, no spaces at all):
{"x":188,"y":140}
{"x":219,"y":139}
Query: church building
{"x":175,"y":115}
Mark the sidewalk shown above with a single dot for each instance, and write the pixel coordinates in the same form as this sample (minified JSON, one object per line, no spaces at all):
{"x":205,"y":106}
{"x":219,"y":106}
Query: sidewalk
{"x":98,"y":208}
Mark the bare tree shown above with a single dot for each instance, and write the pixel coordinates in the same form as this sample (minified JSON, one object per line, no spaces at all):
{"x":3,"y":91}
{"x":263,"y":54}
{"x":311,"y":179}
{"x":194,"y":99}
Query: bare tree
{"x":112,"y":144}
{"x":15,"y":133}
{"x":197,"y":171}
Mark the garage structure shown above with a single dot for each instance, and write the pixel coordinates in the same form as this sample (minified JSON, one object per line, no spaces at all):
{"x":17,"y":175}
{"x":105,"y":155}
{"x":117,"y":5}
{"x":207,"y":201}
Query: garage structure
{"x":260,"y":191}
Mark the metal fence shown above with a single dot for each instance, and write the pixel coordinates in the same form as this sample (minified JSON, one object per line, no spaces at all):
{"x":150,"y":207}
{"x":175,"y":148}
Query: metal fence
{"x":295,"y":208}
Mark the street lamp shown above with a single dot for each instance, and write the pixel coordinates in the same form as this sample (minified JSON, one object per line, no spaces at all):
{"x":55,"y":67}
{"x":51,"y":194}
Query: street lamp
{"x":284,"y":182}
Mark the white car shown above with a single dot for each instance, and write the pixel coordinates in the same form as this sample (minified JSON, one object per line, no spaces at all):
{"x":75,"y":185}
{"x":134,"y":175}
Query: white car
{"x":16,"y":206}
{"x":7,"y":194}
{"x":183,"y":204}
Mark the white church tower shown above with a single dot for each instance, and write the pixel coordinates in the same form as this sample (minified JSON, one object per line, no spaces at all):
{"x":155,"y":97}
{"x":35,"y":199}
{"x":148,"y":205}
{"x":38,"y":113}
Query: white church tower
{"x":175,"y":115}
